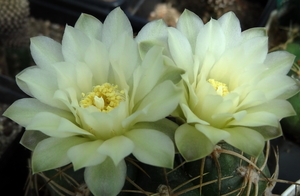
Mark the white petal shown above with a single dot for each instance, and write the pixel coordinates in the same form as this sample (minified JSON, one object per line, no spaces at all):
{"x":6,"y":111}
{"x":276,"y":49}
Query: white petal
{"x":278,"y":107}
{"x":52,"y":153}
{"x":247,"y":140}
{"x":85,"y":154}
{"x":189,"y":24}
{"x":214,"y":134}
{"x":96,"y":58}
{"x":123,"y":56}
{"x":254,"y":98}
{"x":164,"y":125}
{"x":208,"y":107}
{"x":279,"y":62}
{"x":66,"y":75}
{"x":69,"y":98}
{"x":155,"y":30}
{"x":190,"y":116}
{"x":83,"y":77}
{"x":105,"y":178}
{"x":148,"y":75}
{"x":74,"y":45}
{"x":211,"y":39}
{"x":180,"y":49}
{"x":153,"y":33}
{"x":256,"y":119}
{"x":269,"y":132}
{"x":254,"y":32}
{"x":152,"y":147}
{"x":154,"y":107}
{"x":40,"y":84}
{"x":74,"y":75}
{"x":233,"y":61}
{"x":100,"y":124}
{"x":55,"y":126}
{"x":30,"y":139}
{"x":275,"y":85}
{"x":45,"y":52}
{"x":115,"y":24}
{"x":191,"y":143}
{"x":23,"y":110}
{"x":117,"y":148}
{"x":232,"y":29}
{"x":90,"y":25}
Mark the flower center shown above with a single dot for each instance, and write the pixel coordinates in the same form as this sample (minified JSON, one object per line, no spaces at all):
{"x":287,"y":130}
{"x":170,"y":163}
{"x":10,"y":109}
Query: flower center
{"x":220,"y":87}
{"x":105,"y":97}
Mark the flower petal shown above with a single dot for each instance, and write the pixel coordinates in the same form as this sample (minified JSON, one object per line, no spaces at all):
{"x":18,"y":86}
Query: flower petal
{"x":282,"y":108}
{"x":269,"y":132}
{"x":256,"y":119}
{"x":45,"y":52}
{"x":279,"y":62}
{"x":100,"y":124}
{"x":153,"y":33}
{"x":30,"y":139}
{"x":214,"y":134}
{"x":247,"y":140}
{"x":55,"y":126}
{"x":153,"y":107}
{"x":23,"y":110}
{"x":146,"y":77}
{"x":96,"y":59}
{"x":115,"y":24}
{"x":123,"y":56}
{"x":164,"y":125}
{"x":52,"y":153}
{"x":275,"y":86}
{"x":152,"y":147}
{"x":254,"y":32}
{"x":105,"y":178}
{"x":189,"y":24}
{"x":211,"y":39}
{"x":253,"y":98}
{"x":231,"y":28}
{"x":117,"y":148}
{"x":191,"y":143}
{"x":85,"y":154}
{"x":180,"y":49}
{"x":190,"y":116}
{"x":90,"y":25}
{"x":67,"y":74}
{"x":154,"y":30}
{"x":40,"y":84}
{"x":225,"y":67}
{"x":74,"y":44}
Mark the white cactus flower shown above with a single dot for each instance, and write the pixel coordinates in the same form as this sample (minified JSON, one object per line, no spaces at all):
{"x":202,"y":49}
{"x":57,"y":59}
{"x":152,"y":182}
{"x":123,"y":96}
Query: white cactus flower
{"x":234,"y":91}
{"x":95,"y":101}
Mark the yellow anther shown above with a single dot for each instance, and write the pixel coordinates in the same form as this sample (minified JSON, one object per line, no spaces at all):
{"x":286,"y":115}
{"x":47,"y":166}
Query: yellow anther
{"x":105,"y":97}
{"x":220,"y":87}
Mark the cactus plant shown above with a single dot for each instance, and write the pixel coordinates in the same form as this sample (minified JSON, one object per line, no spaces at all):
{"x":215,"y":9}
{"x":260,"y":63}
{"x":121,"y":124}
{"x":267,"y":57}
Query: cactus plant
{"x":227,"y":171}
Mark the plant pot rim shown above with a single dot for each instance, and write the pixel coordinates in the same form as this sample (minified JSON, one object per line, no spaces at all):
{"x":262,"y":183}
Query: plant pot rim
{"x":291,"y":190}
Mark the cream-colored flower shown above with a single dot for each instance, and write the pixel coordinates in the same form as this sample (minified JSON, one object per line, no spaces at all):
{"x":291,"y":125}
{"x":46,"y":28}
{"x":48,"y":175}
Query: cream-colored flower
{"x":233,"y":89}
{"x":95,"y":102}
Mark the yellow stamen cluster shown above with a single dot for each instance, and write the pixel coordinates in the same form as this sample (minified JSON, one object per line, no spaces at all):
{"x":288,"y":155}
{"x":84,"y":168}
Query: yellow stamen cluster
{"x":105,"y":97}
{"x":220,"y":87}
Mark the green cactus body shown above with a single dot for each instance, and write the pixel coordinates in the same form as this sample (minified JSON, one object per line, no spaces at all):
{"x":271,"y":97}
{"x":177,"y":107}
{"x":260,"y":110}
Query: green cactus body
{"x":164,"y":182}
{"x":227,"y":174}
